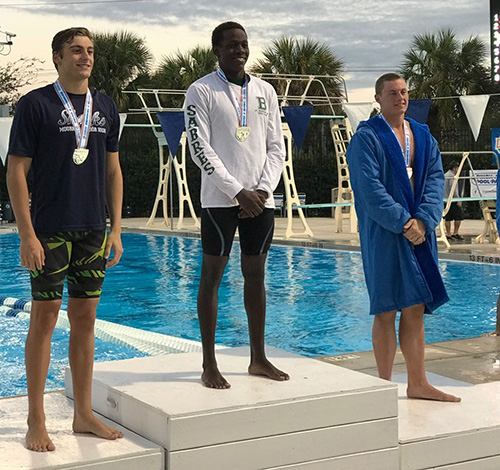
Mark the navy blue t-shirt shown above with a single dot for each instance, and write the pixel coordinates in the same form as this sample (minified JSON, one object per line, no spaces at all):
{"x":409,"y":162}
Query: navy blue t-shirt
{"x":65,"y":196}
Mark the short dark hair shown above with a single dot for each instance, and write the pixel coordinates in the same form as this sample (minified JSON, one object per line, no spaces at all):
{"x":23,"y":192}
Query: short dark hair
{"x":454,"y":164}
{"x":387,"y":77}
{"x":66,"y":36}
{"x":218,"y":32}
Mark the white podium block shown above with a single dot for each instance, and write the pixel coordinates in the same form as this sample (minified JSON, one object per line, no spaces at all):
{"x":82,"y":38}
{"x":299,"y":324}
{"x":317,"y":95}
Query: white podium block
{"x":323,"y":412}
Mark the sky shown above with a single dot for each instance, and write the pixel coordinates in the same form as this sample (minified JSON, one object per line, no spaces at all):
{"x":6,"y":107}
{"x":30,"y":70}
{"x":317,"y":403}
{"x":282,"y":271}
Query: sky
{"x":370,"y":36}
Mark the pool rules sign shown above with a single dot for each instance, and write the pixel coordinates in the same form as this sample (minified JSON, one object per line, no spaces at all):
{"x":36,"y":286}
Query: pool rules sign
{"x":495,"y":40}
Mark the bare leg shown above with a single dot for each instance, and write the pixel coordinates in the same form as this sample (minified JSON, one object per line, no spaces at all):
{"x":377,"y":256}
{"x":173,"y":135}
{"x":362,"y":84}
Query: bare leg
{"x":456,"y":226}
{"x":82,"y":314}
{"x":253,"y":268}
{"x":447,"y":225}
{"x":384,"y":343}
{"x":412,"y":341}
{"x":43,"y":320}
{"x":212,"y":269}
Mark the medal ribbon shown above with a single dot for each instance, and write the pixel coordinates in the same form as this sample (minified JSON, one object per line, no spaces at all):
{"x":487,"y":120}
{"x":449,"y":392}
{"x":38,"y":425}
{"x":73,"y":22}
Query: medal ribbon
{"x":81,"y":133}
{"x":407,"y":150}
{"x":240,"y":106}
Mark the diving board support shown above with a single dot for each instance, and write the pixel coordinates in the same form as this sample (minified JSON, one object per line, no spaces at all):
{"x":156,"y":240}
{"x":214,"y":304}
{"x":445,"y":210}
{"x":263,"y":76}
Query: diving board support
{"x":292,"y":197}
{"x":161,"y":192}
{"x":490,"y":231}
{"x":341,"y":135}
{"x":165,"y":168}
{"x":182,"y":186}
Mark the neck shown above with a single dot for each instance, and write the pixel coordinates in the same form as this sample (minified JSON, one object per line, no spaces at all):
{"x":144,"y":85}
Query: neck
{"x":396,"y":122}
{"x":79,"y":87}
{"x":235,"y":77}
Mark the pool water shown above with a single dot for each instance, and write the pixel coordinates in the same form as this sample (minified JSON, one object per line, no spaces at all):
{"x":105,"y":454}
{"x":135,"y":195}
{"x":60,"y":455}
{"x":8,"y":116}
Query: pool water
{"x":317,"y":302}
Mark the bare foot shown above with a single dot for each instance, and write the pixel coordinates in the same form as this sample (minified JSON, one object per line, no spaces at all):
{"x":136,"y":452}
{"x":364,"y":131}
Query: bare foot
{"x":493,"y":333}
{"x":212,"y":378}
{"x":266,"y":369}
{"x":38,"y":440}
{"x":89,"y":424}
{"x":428,"y":392}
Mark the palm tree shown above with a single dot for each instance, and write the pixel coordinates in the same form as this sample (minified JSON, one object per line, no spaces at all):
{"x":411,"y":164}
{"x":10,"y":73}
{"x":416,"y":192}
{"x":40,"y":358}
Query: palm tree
{"x":179,"y":70}
{"x":288,"y":55}
{"x":438,"y":65}
{"x":120,"y":57}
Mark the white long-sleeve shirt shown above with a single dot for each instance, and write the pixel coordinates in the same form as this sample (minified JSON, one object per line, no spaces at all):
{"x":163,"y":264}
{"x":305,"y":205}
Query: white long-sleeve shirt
{"x":228,"y":165}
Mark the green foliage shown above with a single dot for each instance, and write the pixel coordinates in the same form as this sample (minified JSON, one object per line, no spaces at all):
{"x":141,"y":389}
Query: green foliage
{"x":288,"y":55}
{"x":120,"y":58}
{"x":16,"y":75}
{"x":438,"y":65}
{"x":179,"y":70}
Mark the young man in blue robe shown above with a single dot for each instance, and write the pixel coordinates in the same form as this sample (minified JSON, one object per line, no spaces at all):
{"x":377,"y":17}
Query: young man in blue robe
{"x":397,"y":177}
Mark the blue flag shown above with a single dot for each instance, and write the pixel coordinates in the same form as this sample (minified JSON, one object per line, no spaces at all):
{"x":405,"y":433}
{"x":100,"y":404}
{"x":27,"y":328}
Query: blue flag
{"x":172,"y":125}
{"x":498,"y":201}
{"x":495,"y":144}
{"x":297,"y":118}
{"x":418,"y":110}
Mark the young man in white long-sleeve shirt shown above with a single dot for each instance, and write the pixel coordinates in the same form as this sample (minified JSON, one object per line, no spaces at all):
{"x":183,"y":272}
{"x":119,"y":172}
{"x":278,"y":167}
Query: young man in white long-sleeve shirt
{"x":234,"y":132}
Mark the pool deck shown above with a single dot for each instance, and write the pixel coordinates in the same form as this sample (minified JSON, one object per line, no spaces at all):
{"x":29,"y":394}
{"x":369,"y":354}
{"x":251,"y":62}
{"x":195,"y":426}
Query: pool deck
{"x":429,"y":435}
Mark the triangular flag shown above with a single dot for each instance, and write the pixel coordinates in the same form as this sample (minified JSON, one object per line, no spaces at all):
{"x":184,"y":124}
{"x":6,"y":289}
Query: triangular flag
{"x":5,"y":125}
{"x":172,"y":125}
{"x":123,"y":118}
{"x":474,"y":107}
{"x":298,"y":118}
{"x":357,"y":112}
{"x":418,"y":110}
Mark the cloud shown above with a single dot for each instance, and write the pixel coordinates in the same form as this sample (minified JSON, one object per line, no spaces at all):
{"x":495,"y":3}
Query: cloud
{"x":371,"y":36}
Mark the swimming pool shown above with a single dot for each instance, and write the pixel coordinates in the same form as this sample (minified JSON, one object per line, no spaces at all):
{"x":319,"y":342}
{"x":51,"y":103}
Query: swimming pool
{"x":317,"y":300}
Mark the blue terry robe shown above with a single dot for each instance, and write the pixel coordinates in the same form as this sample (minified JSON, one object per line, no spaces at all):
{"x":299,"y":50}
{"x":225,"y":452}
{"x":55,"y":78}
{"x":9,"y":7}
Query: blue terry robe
{"x":398,"y":274}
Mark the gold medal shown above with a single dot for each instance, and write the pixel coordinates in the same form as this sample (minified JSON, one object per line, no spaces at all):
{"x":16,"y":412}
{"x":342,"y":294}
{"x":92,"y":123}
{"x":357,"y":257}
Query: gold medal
{"x":80,"y":155}
{"x":409,"y":170}
{"x":242,"y":133}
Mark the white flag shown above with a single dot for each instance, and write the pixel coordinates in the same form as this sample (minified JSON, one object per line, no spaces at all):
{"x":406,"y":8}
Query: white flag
{"x":357,"y":112}
{"x":123,"y":118}
{"x":474,"y":107}
{"x":5,"y":125}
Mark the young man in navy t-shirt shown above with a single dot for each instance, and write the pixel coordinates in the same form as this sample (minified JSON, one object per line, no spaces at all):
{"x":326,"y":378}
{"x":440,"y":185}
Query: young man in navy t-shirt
{"x":67,"y":135}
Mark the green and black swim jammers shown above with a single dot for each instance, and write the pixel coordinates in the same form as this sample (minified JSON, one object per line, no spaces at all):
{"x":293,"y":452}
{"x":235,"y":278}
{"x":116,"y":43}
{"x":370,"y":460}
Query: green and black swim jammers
{"x":77,"y":256}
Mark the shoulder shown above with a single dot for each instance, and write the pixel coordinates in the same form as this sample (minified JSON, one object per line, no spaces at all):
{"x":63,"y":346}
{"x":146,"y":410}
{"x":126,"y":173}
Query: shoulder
{"x":420,"y":130}
{"x":39,"y":95}
{"x":364,"y":132}
{"x":208,"y":81}
{"x":203,"y":87}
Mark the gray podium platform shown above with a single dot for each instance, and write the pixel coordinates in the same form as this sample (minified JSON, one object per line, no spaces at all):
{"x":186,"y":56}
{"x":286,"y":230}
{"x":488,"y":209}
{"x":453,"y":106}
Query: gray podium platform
{"x":73,"y":451}
{"x":324,"y":417}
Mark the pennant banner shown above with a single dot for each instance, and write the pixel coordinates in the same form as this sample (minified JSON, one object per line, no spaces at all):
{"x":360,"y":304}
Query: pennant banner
{"x":357,"y":112}
{"x":419,"y":110}
{"x":5,"y":124}
{"x":498,"y":202}
{"x":172,"y":125}
{"x":495,"y":145}
{"x":298,"y":118}
{"x":123,"y":118}
{"x":474,"y":107}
